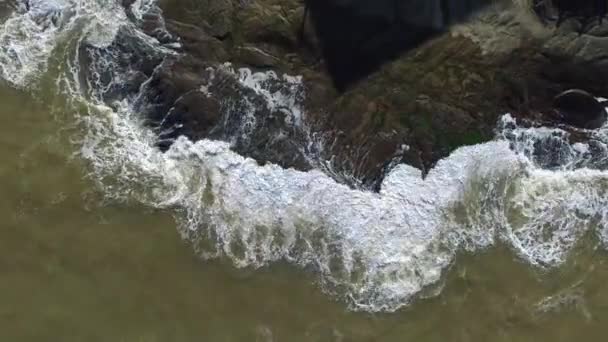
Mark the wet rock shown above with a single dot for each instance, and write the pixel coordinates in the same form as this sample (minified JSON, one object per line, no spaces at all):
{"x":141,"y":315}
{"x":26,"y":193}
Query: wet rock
{"x":198,"y":100}
{"x":446,"y":93}
{"x":153,"y":24}
{"x":197,"y":42}
{"x":174,"y":78}
{"x":198,"y":109}
{"x":255,"y":57}
{"x":582,"y":8}
{"x":127,"y":3}
{"x":264,"y":23}
{"x":357,"y":37}
{"x":577,"y":50}
{"x":213,"y":16}
{"x":132,"y":83}
{"x":119,"y":69}
{"x":580,"y":109}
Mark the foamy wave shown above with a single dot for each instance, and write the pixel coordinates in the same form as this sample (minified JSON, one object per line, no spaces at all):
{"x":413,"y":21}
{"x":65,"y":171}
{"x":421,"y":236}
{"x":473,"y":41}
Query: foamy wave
{"x":378,"y":251}
{"x":37,"y":27}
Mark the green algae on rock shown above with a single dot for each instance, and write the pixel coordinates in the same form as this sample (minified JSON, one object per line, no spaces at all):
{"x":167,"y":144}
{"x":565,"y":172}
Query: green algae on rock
{"x":448,"y":92}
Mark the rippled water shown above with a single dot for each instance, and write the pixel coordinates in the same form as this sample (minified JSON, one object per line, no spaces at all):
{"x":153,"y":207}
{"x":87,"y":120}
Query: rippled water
{"x":502,"y":241}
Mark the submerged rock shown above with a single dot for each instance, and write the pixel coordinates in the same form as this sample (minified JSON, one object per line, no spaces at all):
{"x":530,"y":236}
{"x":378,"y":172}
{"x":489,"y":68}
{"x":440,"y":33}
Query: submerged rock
{"x":580,"y":109}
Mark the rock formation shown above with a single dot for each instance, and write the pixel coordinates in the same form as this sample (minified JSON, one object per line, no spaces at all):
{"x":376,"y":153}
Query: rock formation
{"x":415,"y":106}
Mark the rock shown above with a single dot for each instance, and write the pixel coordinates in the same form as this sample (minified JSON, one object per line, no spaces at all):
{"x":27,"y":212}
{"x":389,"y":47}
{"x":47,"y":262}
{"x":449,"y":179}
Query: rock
{"x":213,"y":16}
{"x":255,"y":57}
{"x":357,"y":37}
{"x":580,"y":109}
{"x":197,"y":42}
{"x":153,"y":25}
{"x":174,"y":78}
{"x":127,"y":3}
{"x":263,"y":23}
{"x":445,"y":93}
{"x":126,"y":56}
{"x":198,"y":100}
{"x":583,"y":8}
{"x":201,"y":111}
{"x":218,"y":14}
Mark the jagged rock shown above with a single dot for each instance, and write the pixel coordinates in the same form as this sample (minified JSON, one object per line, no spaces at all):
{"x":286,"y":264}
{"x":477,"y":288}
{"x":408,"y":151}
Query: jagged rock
{"x":255,"y":57}
{"x":197,"y":42}
{"x":582,"y":8}
{"x":201,"y":111}
{"x":578,"y":58}
{"x":127,"y":3}
{"x":199,"y":100}
{"x":171,"y":80}
{"x":446,"y":93}
{"x":130,"y":57}
{"x":213,"y":16}
{"x":580,"y":109}
{"x":266,"y":23}
{"x":153,"y":25}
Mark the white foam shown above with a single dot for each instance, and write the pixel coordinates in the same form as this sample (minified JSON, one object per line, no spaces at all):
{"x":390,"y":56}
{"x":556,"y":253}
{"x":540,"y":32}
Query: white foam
{"x":384,"y":248}
{"x":376,"y":250}
{"x":31,"y":33}
{"x":379,"y":249}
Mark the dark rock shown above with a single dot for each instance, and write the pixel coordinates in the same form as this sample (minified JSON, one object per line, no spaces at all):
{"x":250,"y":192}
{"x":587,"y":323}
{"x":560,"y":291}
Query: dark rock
{"x":197,"y":42}
{"x":358,"y":36}
{"x":127,"y":3}
{"x":580,"y":109}
{"x":265,"y":24}
{"x":198,"y":100}
{"x":153,"y":25}
{"x":213,"y":16}
{"x":581,"y":8}
{"x":175,"y":77}
{"x":132,"y":82}
{"x":199,"y":110}
{"x":255,"y":57}
{"x":440,"y":95}
{"x":119,"y":69}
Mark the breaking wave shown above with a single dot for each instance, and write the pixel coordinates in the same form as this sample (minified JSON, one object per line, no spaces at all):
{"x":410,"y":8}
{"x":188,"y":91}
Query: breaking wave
{"x":530,"y":188}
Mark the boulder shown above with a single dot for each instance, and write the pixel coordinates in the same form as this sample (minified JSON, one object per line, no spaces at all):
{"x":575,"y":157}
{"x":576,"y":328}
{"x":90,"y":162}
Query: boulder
{"x":578,"y":108}
{"x":174,"y":78}
{"x":201,"y":111}
{"x":256,"y":57}
{"x":198,"y":43}
{"x":188,"y":97}
{"x":213,"y":16}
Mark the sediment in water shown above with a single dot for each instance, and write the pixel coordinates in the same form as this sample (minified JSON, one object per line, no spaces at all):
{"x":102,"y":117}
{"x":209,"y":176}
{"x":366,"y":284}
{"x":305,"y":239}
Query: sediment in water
{"x":530,"y":188}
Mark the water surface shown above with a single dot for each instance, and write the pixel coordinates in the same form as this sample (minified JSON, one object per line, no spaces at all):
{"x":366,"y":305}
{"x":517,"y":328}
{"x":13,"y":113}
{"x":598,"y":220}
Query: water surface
{"x":92,"y":241}
{"x":74,"y":267}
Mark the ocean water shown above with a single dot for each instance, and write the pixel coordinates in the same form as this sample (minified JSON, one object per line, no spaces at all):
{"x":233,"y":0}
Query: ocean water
{"x":107,"y":238}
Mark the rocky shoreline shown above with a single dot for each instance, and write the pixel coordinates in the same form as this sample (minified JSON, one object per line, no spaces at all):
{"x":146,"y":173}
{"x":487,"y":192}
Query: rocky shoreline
{"x":417,"y":108}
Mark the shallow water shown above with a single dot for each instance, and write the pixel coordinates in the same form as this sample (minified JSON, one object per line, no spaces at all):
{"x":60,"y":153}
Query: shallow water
{"x":75,"y":267}
{"x":90,"y":248}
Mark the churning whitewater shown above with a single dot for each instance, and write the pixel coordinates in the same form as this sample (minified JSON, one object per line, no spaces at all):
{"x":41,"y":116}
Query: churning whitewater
{"x":530,"y":188}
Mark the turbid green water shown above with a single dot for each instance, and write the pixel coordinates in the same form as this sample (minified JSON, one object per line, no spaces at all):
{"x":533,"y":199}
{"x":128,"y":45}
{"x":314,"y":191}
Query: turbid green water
{"x":75,"y":267}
